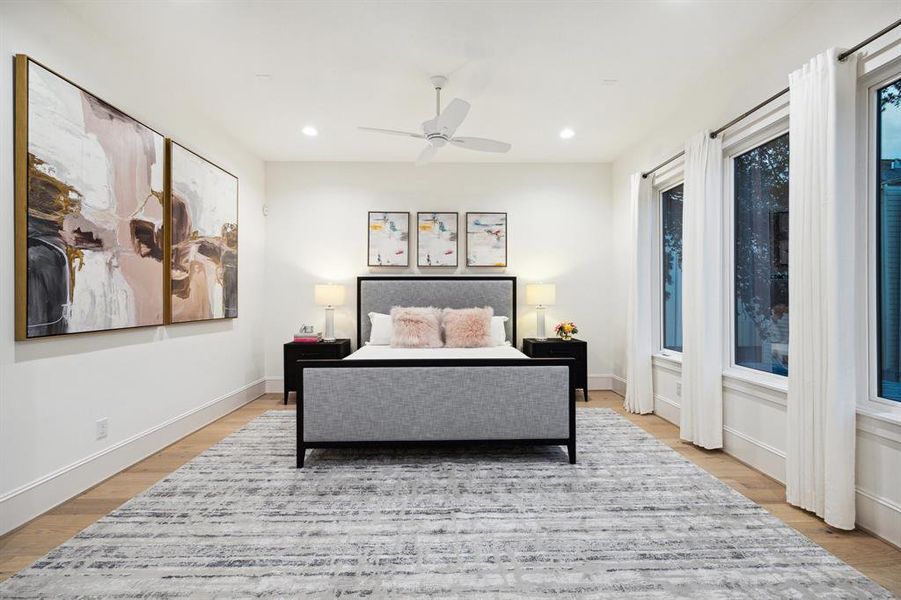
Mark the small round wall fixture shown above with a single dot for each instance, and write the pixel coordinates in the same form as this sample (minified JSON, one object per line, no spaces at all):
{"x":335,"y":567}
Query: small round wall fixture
{"x":566,"y":133}
{"x":309,"y":131}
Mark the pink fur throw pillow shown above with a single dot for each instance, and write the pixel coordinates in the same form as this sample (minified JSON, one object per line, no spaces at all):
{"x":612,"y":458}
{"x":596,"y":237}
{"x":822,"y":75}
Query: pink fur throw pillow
{"x":467,"y":327}
{"x":413,"y":327}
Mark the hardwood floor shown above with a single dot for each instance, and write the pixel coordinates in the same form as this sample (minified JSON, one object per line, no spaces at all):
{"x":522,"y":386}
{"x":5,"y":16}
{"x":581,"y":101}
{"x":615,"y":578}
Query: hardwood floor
{"x":18,"y":549}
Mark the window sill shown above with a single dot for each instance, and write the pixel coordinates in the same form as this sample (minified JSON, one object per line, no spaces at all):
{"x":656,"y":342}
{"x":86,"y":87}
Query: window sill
{"x":669,"y":356}
{"x":775,"y":383}
{"x":888,"y":416}
{"x":880,"y":424}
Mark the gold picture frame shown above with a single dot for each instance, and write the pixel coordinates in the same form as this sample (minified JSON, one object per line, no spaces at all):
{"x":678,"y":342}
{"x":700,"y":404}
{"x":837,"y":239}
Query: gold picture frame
{"x":150,"y":239}
{"x":71,"y":239}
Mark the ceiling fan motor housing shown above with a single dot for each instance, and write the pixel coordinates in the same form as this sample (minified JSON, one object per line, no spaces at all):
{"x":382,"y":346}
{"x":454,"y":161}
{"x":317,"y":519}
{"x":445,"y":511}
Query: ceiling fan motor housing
{"x":437,"y":139}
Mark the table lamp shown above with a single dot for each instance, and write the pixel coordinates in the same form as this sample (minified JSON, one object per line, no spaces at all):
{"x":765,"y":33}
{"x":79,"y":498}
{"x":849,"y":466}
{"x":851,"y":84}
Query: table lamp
{"x":329,"y":295}
{"x":540,"y":295}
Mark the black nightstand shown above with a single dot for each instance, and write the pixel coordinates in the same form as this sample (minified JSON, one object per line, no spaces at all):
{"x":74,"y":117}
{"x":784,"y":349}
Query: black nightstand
{"x":557,"y":348}
{"x":295,"y":351}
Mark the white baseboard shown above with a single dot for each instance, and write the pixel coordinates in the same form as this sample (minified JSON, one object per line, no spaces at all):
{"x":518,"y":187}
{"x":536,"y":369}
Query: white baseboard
{"x":767,"y":459}
{"x":880,"y":516}
{"x":619,"y":385}
{"x":666,"y":409}
{"x":275,"y":384}
{"x":30,"y":500}
{"x":600,"y":382}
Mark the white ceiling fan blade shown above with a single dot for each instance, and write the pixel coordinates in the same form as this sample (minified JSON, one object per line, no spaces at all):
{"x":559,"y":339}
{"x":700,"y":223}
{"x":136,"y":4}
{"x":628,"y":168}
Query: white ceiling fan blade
{"x":451,"y":117}
{"x":426,"y":156}
{"x":481,"y":144}
{"x":392,"y":132}
{"x":430,"y":126}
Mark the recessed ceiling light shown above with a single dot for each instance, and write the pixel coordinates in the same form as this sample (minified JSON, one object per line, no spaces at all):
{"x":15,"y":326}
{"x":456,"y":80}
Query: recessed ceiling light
{"x":310,"y":131}
{"x":567,"y":133}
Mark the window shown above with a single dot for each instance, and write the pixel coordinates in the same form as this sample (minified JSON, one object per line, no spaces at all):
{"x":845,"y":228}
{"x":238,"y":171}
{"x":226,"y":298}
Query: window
{"x":888,"y":239}
{"x":761,"y":257}
{"x":671,"y":201}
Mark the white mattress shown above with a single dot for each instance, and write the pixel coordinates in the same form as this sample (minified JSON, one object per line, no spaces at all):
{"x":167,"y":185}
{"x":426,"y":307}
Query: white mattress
{"x":372,"y":352}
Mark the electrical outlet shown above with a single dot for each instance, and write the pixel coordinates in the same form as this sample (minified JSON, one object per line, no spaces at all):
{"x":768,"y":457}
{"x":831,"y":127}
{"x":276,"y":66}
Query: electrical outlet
{"x":679,"y":389}
{"x":102,"y":428}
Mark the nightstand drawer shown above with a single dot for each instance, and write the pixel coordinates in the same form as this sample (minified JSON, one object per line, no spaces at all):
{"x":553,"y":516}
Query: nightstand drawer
{"x":556,"y":351}
{"x":315,"y":352}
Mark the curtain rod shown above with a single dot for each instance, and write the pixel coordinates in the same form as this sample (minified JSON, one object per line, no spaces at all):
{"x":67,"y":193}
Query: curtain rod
{"x":775,"y":96}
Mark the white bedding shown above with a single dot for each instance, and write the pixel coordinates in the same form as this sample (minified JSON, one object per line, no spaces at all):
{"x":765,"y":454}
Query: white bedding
{"x":373,"y":352}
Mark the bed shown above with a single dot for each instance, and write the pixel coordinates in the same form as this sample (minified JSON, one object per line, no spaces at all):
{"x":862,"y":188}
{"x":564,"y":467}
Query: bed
{"x":383,"y":396}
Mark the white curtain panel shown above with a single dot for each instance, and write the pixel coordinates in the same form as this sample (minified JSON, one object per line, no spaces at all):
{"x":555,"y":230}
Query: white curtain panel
{"x":701,"y":413}
{"x":825,"y":374}
{"x":640,"y":319}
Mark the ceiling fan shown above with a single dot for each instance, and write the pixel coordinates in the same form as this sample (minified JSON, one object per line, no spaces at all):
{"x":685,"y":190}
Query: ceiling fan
{"x":440,"y":131}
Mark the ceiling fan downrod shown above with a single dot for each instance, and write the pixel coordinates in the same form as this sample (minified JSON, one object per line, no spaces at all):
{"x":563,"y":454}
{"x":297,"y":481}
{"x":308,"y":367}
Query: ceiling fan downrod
{"x":438,"y":81}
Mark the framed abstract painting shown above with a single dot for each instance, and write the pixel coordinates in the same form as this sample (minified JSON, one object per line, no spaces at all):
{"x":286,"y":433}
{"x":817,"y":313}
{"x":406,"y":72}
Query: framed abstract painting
{"x":202,"y":244}
{"x":486,"y":239}
{"x":389,"y":239}
{"x":89,"y":210}
{"x":436,"y":239}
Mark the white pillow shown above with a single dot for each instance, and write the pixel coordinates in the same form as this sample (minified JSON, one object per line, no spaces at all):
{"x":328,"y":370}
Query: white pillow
{"x":498,"y":331}
{"x":380,"y":332}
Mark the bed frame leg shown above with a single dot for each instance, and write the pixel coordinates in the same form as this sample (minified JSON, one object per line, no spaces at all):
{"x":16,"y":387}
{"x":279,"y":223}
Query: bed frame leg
{"x":571,"y":450}
{"x":301,"y":454}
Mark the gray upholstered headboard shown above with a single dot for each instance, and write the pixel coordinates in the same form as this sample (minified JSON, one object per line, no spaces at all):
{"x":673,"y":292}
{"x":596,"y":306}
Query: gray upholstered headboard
{"x":380,"y":294}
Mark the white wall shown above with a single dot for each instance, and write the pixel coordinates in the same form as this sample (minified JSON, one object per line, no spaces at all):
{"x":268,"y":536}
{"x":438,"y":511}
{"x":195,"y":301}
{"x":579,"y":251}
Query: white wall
{"x":754,"y":413}
{"x":154,"y":384}
{"x":558,"y":215}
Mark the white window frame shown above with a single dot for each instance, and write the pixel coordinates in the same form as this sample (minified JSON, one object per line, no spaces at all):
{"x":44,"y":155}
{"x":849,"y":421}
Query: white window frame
{"x":769,"y":126}
{"x":867,"y":153}
{"x":664,"y":180}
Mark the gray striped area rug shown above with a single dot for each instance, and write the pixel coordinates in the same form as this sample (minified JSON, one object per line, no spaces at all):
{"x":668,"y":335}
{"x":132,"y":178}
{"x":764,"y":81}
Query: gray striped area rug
{"x":632,"y":519}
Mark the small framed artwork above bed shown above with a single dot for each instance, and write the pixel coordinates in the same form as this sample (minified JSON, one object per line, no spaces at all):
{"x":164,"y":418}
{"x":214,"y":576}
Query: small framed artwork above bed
{"x":486,"y":239}
{"x":437,"y":242}
{"x":389,"y":239}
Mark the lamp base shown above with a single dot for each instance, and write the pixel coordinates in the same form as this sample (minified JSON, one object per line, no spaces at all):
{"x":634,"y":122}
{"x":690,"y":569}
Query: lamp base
{"x":539,"y":330}
{"x":329,"y":335}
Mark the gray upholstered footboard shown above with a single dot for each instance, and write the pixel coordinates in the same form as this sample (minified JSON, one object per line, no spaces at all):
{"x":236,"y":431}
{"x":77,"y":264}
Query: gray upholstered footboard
{"x":345,"y":403}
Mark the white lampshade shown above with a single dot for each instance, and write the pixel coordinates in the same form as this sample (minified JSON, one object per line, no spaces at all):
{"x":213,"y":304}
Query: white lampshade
{"x":541,"y":294}
{"x":329,"y":294}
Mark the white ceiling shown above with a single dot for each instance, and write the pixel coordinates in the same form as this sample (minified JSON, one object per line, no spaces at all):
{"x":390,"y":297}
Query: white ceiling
{"x":263,"y":70}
